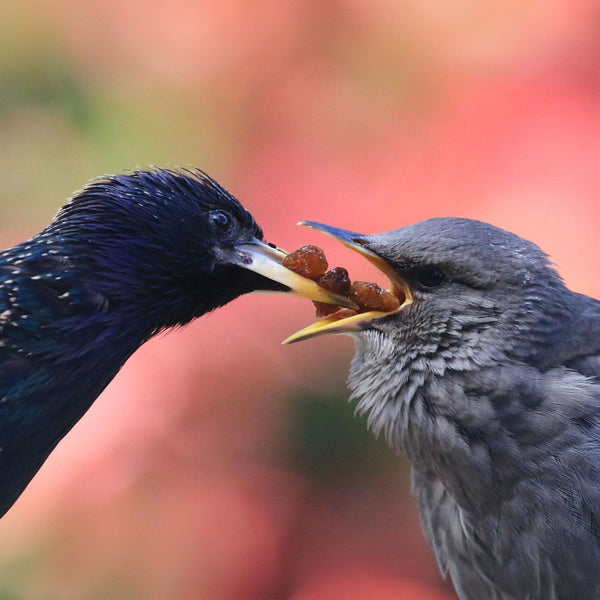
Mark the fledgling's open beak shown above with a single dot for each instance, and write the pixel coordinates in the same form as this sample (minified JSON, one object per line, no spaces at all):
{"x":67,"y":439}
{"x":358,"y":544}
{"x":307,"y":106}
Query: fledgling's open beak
{"x":266,"y":261}
{"x":340,"y":324}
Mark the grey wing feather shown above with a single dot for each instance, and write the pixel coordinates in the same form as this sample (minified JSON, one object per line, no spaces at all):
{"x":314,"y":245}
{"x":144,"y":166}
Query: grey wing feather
{"x":439,"y":516}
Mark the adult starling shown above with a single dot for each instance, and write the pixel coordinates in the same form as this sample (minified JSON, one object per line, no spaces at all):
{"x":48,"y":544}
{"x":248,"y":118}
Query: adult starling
{"x":127,"y":257}
{"x":486,"y":378}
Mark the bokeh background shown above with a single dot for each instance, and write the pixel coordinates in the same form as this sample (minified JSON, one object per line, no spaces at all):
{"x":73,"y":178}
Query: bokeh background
{"x":219,"y":465}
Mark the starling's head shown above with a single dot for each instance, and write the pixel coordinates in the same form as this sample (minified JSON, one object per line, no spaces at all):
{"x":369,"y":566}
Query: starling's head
{"x":172,"y":243}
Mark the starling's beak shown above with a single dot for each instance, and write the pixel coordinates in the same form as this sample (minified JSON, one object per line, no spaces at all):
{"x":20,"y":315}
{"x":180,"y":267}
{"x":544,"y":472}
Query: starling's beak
{"x":357,"y":322}
{"x":266,"y":261}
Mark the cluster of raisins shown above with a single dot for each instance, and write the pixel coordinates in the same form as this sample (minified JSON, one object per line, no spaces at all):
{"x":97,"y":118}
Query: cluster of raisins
{"x":309,"y":261}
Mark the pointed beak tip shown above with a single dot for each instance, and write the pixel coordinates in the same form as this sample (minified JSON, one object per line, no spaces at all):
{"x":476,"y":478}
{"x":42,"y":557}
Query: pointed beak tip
{"x":310,"y":224}
{"x":351,"y":238}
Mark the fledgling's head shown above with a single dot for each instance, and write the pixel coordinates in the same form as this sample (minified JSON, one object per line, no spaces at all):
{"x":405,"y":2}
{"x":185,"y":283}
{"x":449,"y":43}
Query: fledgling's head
{"x":469,"y":282}
{"x":471,"y":294}
{"x":454,"y":277}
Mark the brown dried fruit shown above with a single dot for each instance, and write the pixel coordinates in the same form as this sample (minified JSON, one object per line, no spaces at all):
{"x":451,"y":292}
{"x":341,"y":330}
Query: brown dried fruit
{"x":324,"y":309}
{"x":336,"y":281}
{"x":367,"y":295}
{"x":308,"y":261}
{"x":389,"y":302}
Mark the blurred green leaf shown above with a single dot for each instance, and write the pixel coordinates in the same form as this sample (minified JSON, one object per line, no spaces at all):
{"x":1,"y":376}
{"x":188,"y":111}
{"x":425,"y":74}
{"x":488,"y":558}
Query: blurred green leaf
{"x":49,"y":81}
{"x":330,"y":442}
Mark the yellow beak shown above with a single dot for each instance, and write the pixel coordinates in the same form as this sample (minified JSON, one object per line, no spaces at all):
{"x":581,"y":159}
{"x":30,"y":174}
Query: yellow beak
{"x":266,"y":261}
{"x":356,"y":322}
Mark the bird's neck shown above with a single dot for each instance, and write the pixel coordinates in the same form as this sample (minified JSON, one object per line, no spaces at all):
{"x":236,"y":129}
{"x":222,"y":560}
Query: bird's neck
{"x":427,"y":415}
{"x":55,"y":384}
{"x":62,"y":341}
{"x":481,"y":435}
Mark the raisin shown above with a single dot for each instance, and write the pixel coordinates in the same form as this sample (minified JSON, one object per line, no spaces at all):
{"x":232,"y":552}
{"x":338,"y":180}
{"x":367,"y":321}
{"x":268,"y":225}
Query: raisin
{"x":389,"y":302}
{"x":324,"y":309}
{"x":308,"y":261}
{"x":336,"y":281}
{"x":370,"y":296}
{"x":367,"y":295}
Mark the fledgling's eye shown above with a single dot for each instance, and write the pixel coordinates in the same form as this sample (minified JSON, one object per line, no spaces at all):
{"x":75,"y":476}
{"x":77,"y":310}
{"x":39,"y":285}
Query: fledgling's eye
{"x":221,"y":220}
{"x":430,"y":277}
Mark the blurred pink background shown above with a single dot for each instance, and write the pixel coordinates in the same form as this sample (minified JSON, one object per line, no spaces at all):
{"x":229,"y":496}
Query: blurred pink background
{"x":219,"y":465}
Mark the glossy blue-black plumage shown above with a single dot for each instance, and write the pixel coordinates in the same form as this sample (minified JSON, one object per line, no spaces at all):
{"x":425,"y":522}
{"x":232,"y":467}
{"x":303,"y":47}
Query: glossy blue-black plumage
{"x":128,"y":256}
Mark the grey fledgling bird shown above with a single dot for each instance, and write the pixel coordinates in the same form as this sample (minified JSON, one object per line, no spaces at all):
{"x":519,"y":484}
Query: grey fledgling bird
{"x":486,"y":378}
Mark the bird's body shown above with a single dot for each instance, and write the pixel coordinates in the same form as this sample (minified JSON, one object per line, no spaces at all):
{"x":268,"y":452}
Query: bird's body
{"x":127,"y":257}
{"x":505,"y":471}
{"x":489,"y":382}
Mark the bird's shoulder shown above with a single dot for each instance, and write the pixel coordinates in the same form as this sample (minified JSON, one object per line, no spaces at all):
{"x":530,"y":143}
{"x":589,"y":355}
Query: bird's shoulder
{"x":573,"y":341}
{"x":40,"y":284}
{"x":42,"y":297}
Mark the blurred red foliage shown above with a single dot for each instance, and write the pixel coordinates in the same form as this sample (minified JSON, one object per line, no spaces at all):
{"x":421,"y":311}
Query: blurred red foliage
{"x":352,"y":585}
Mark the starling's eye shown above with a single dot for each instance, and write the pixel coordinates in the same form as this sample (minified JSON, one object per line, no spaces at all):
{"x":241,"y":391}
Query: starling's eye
{"x":221,"y":220}
{"x":430,"y":277}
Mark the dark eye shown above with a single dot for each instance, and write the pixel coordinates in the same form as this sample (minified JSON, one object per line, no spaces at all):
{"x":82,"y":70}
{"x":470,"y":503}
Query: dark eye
{"x":221,"y":220}
{"x":430,"y":277}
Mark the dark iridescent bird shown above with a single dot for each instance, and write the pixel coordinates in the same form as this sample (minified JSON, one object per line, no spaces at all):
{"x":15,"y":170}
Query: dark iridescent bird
{"x":488,"y":380}
{"x":127,"y":257}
